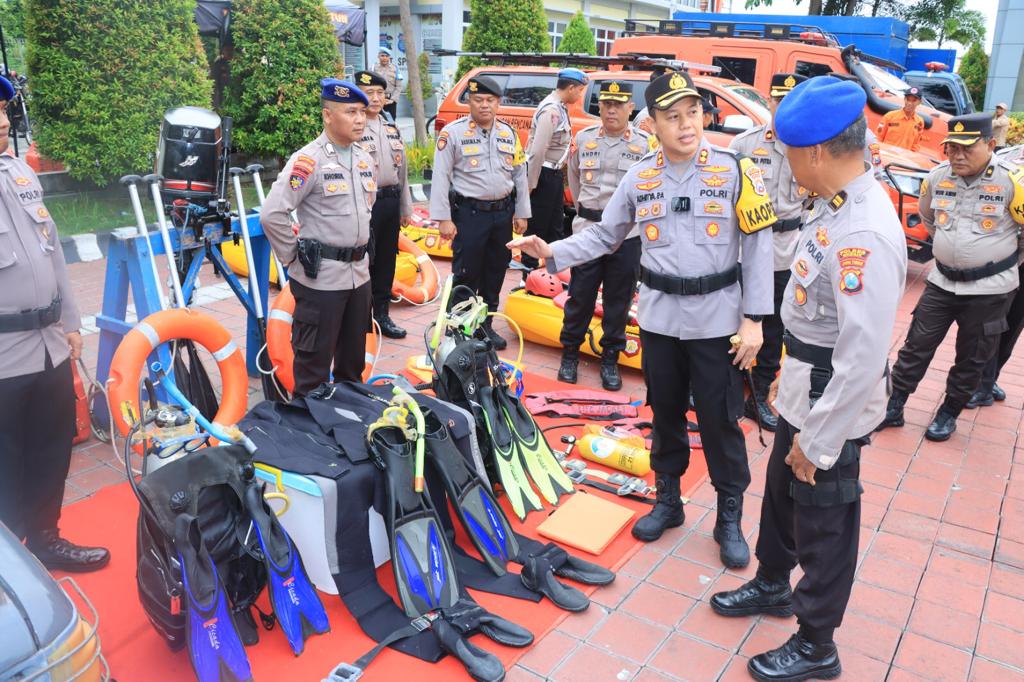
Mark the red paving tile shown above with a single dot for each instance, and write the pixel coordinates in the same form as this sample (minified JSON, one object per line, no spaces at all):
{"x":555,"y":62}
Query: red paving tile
{"x":588,"y":664}
{"x":1005,"y":611}
{"x":952,"y":593}
{"x":932,"y":660}
{"x":657,"y":605}
{"x":580,"y":625}
{"x":973,"y":542}
{"x":987,"y":671}
{"x":706,"y":625}
{"x":892,"y":575}
{"x":628,"y":637}
{"x":882,"y":605}
{"x":689,"y":659}
{"x":1000,"y":644}
{"x":868,"y":636}
{"x":944,"y":625}
{"x":610,"y":597}
{"x":684,"y":577}
{"x":857,"y":666}
{"x":548,"y":653}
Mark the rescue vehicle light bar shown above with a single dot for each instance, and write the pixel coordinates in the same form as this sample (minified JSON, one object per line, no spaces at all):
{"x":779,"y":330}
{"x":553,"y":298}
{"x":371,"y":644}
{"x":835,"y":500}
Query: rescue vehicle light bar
{"x":811,"y":35}
{"x":636,"y":62}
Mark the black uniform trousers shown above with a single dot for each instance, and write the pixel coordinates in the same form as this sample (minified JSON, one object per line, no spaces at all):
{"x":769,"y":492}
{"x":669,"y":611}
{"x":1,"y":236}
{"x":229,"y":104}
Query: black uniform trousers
{"x":672,"y":369}
{"x":329,"y":327}
{"x":547,"y":202}
{"x":769,"y":358}
{"x":385,"y":220}
{"x":37,"y":423}
{"x":822,"y":538}
{"x":980,"y":320}
{"x":617,"y":273}
{"x":479,"y":255}
{"x":1007,"y":340}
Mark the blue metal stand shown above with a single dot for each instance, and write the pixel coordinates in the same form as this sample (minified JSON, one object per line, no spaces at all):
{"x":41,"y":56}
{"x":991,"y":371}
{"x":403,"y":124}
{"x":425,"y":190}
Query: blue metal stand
{"x":128,"y":270}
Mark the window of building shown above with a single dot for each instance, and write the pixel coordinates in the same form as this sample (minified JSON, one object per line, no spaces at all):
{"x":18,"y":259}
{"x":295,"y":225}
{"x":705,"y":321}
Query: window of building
{"x":556,"y":29}
{"x":604,"y":37}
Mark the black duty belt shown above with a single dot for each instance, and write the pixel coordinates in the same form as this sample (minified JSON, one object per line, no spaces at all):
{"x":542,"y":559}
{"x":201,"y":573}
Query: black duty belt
{"x":592,"y":214}
{"x":28,"y":320}
{"x":787,"y":225}
{"x":974,"y":274}
{"x":502,"y":204}
{"x":389,"y":191}
{"x":346,"y":254}
{"x":690,"y":286}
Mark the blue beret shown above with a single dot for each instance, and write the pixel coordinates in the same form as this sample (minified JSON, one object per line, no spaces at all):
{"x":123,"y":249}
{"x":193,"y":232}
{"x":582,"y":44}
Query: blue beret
{"x":384,"y":50}
{"x":572,"y":75}
{"x":817,"y":110}
{"x":6,"y":90}
{"x":337,"y":90}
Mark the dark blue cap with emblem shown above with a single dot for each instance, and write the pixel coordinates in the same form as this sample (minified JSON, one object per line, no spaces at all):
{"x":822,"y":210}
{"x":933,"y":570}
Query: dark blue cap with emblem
{"x":799,"y":121}
{"x":346,"y":92}
{"x":6,"y":90}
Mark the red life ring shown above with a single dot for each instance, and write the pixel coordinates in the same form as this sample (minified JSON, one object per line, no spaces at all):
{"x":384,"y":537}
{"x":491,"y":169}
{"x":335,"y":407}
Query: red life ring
{"x":166,"y":325}
{"x":279,"y":340}
{"x":429,"y":277}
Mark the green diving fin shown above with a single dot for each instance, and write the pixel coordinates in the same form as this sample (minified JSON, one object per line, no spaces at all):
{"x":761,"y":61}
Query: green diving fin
{"x":545,"y":471}
{"x":506,"y":455}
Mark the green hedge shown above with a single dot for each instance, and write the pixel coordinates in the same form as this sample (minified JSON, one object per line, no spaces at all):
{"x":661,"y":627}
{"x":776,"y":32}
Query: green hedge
{"x":103,"y":72}
{"x":504,"y":26}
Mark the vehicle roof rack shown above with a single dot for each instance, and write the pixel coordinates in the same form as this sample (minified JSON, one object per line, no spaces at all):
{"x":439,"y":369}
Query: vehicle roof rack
{"x":798,"y":33}
{"x":631,"y":60}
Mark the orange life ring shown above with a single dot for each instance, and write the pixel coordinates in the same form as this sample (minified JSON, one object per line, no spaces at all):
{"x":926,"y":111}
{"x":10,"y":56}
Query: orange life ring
{"x":429,"y":276}
{"x":166,"y":325}
{"x":279,"y":340}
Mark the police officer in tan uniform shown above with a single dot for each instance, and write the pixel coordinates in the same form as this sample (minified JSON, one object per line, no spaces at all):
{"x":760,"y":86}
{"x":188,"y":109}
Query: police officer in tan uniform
{"x":598,"y":159}
{"x":393,"y":207}
{"x":763,"y":147}
{"x":387,"y":70}
{"x":39,"y":339}
{"x":546,"y":154}
{"x":839,"y":310}
{"x":331,"y":184}
{"x":696,"y":206}
{"x":973,"y":206}
{"x":478,"y":194}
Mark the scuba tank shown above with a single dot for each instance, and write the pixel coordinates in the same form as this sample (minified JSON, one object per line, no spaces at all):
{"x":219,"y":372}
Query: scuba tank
{"x":616,"y":450}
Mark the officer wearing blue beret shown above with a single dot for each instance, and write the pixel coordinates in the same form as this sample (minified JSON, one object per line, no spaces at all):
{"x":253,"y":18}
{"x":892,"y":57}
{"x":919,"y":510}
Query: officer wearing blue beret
{"x":839,"y":308}
{"x":331,"y":184}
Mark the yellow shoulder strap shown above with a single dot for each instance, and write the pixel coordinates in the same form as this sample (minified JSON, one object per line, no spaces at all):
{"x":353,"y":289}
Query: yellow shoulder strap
{"x":520,"y":157}
{"x":1017,"y":203}
{"x":753,"y":207}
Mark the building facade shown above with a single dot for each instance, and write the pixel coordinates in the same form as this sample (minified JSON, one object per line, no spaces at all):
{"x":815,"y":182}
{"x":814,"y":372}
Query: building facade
{"x":1006,"y":65}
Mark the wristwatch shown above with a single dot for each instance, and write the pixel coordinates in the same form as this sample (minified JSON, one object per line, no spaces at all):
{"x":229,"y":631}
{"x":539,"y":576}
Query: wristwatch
{"x":754,"y":318}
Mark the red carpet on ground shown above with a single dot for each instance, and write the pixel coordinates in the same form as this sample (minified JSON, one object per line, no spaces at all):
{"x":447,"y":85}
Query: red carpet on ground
{"x":136,"y":653}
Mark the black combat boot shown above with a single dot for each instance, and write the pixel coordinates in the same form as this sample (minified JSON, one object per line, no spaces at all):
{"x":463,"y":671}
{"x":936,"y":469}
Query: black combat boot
{"x":610,"y":379}
{"x":768,"y":593}
{"x":998,"y":393}
{"x":58,"y":554}
{"x":387,"y":326}
{"x":983,"y":397}
{"x":894,"y":410}
{"x":797,"y":659}
{"x":944,"y":424}
{"x":570,"y":361}
{"x":667,"y":512}
{"x":732,"y":546}
{"x":756,"y":407}
{"x":497,"y":340}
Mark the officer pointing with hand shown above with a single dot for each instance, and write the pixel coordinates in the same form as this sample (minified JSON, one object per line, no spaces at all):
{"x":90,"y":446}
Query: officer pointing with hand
{"x":695,"y":206}
{"x":839,"y":308}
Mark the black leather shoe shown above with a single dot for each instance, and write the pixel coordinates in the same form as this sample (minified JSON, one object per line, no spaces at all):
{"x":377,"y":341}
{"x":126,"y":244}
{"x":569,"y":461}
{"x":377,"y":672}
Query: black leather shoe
{"x":894,"y":410}
{"x":667,"y":513}
{"x":998,"y":393}
{"x":610,"y":378}
{"x":756,"y":407}
{"x":570,"y":362}
{"x":58,"y":554}
{"x":755,"y":597}
{"x":732,"y":546}
{"x":981,"y":398}
{"x":389,"y":329}
{"x":797,"y":659}
{"x":497,"y":340}
{"x":942,"y":427}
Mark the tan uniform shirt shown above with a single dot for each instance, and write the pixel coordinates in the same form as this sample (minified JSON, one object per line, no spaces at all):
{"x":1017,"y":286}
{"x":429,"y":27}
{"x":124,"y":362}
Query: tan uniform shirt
{"x":32,"y":273}
{"x":390,"y":74}
{"x":480,"y":164}
{"x":1000,"y":128}
{"x":847,"y":280}
{"x":550,"y":135}
{"x":972,"y":223}
{"x":729,"y":210}
{"x":597,"y":163}
{"x":332,"y":191}
{"x":384,"y":142}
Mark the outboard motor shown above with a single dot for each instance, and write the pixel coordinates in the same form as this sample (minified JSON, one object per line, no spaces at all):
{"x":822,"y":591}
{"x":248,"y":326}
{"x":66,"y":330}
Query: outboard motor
{"x":189,"y":154}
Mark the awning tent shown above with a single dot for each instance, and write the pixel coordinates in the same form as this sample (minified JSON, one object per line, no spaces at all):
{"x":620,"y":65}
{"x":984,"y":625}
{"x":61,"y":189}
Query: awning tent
{"x":214,"y":19}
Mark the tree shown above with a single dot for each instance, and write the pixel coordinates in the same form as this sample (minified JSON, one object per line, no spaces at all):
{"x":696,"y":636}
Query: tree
{"x":103,"y":73}
{"x":12,"y":18}
{"x":974,"y":71}
{"x":578,"y":37}
{"x":504,"y":26}
{"x":282,"y":50}
{"x":946,"y":20}
{"x":426,"y":85}
{"x":419,"y":118}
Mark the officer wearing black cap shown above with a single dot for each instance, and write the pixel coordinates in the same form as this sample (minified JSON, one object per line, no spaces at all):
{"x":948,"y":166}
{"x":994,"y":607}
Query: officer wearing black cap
{"x":393,"y":206}
{"x":710,"y":114}
{"x":479,"y":194}
{"x":39,"y":339}
{"x":762,"y":145}
{"x":598,"y":159}
{"x":331,"y":184}
{"x":696,"y":206}
{"x":973,"y":207}
{"x":839,"y":310}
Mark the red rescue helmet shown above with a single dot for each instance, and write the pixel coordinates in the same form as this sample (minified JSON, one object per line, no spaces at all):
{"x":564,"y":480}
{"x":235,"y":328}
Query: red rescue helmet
{"x":540,"y":282}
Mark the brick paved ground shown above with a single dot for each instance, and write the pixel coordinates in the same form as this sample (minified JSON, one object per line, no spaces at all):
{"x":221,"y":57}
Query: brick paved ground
{"x":941,"y":577}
